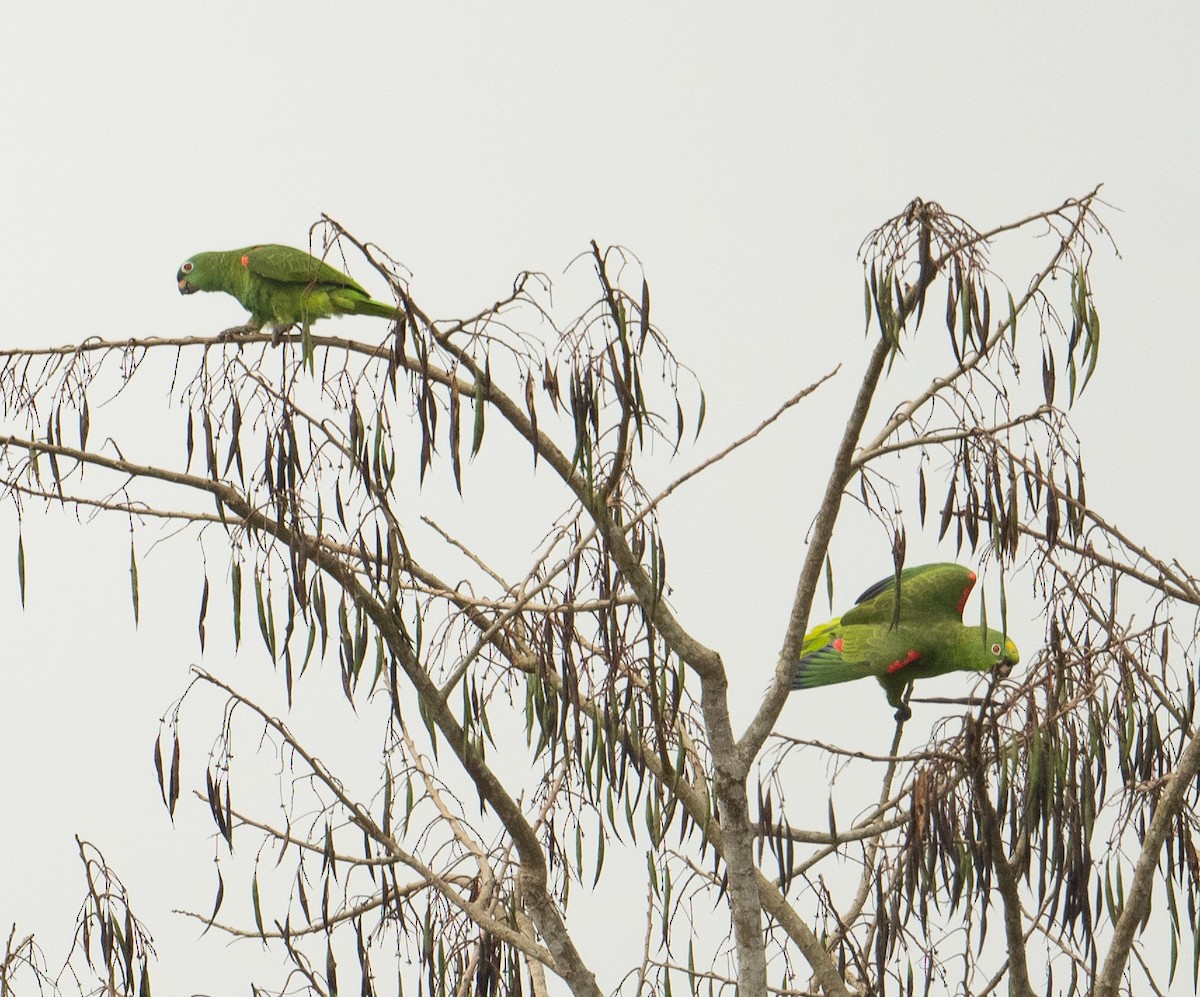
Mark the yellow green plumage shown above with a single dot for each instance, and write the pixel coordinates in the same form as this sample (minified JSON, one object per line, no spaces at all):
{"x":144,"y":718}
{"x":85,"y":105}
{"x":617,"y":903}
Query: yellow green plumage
{"x":278,"y":285}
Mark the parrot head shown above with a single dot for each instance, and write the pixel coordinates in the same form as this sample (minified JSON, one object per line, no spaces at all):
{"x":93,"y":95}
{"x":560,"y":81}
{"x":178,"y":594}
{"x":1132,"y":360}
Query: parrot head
{"x":1002,"y":651}
{"x":197,"y":274}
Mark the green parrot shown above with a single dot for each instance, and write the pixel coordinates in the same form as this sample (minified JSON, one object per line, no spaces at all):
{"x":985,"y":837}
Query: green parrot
{"x":279,"y":286}
{"x":925,"y":637}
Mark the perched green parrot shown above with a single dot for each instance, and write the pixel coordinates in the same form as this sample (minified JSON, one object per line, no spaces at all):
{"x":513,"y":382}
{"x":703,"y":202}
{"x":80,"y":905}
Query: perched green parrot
{"x":927,"y":637}
{"x":279,"y":286}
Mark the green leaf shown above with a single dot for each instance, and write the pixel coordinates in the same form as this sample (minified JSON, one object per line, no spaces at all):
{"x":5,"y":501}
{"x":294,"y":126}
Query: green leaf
{"x":236,"y":590}
{"x":255,"y":899}
{"x":266,"y":617}
{"x":21,"y":566}
{"x":1003,"y":606}
{"x":600,"y":836}
{"x":190,"y":442}
{"x":173,"y":785}
{"x":477,"y":431}
{"x":455,"y":434}
{"x":220,"y":899}
{"x":867,"y":304}
{"x":307,"y":351}
{"x":1091,"y":351}
{"x":133,"y":581}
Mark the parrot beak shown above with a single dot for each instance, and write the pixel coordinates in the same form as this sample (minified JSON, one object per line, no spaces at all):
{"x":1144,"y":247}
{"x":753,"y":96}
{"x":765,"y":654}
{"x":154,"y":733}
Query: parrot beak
{"x":1010,"y":660}
{"x":185,"y":287}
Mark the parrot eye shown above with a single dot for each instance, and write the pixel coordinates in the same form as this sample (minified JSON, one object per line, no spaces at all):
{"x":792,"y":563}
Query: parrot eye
{"x":995,"y":649}
{"x":187,"y":267}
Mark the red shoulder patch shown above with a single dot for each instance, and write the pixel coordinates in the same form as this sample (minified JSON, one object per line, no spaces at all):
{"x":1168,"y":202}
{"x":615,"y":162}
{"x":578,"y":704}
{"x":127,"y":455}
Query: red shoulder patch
{"x":837,"y":644}
{"x":246,"y":263}
{"x":909,"y":658}
{"x":962,"y":600}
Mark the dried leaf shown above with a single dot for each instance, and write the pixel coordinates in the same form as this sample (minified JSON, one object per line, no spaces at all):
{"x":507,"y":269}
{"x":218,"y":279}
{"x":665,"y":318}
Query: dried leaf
{"x":203,"y":612}
{"x":921,"y":492}
{"x":1048,"y":376}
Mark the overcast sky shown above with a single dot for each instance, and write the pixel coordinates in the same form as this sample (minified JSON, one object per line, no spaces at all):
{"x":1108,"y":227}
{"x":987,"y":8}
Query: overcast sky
{"x":741,"y":151}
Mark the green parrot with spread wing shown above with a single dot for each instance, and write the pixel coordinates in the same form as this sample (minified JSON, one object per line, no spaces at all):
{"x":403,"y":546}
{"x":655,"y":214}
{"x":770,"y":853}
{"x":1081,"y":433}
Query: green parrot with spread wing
{"x":279,"y":286}
{"x":923,"y":636}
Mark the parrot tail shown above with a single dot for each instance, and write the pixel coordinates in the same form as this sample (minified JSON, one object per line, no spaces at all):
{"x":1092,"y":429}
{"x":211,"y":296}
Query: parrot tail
{"x":346,"y":301}
{"x":822,"y":667}
{"x":372,"y":307}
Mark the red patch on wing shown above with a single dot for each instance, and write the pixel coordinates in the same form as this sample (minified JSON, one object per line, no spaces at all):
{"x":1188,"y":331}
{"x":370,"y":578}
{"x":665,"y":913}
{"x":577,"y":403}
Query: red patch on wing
{"x":245,"y":259}
{"x":909,"y":658}
{"x":962,"y":600}
{"x":837,"y":644}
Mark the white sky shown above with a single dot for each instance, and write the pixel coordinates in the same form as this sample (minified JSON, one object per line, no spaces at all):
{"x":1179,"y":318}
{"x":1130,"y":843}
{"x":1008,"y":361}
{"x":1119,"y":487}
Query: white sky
{"x":742,"y":151}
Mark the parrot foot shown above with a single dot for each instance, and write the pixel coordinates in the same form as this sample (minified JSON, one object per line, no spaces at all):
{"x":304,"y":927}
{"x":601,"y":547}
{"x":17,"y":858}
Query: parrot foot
{"x":236,"y":332}
{"x":279,"y":331}
{"x":903,"y":713}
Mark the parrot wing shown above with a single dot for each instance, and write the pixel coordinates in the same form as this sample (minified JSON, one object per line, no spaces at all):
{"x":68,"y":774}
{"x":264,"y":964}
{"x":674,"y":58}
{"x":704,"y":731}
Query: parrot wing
{"x":928,"y":592}
{"x":837,"y":653}
{"x":293,"y":266}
